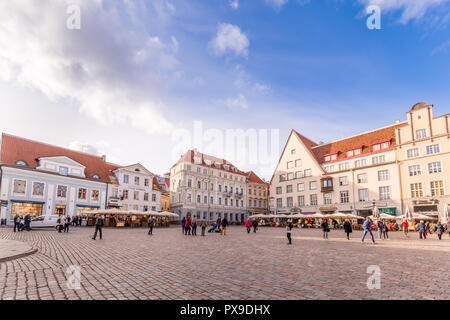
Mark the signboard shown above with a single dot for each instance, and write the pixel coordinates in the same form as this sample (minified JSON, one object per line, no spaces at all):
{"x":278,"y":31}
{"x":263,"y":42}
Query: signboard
{"x":390,"y":211}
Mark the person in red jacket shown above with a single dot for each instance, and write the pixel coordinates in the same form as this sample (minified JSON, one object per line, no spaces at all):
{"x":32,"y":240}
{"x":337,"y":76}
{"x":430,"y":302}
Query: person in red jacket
{"x":187,"y":226}
{"x":248,"y":225}
{"x":405,"y":225}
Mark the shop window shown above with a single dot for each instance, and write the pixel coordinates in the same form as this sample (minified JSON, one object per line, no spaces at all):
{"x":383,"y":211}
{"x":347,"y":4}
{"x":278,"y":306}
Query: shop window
{"x":22,"y":208}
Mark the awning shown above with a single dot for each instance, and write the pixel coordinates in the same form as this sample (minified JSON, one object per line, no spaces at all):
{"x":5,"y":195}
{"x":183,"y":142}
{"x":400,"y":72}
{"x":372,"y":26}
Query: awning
{"x":29,"y":202}
{"x":86,"y":206}
{"x":328,"y":209}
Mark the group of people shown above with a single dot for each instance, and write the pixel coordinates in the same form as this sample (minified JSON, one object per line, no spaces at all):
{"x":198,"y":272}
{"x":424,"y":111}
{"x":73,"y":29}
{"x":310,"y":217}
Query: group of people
{"x":189,"y":226}
{"x":249,"y":224}
{"x":22,"y":223}
{"x":63,"y":223}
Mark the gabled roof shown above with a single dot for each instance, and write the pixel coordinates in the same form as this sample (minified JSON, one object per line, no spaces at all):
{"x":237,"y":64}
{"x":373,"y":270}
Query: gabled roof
{"x":15,"y":148}
{"x":253,"y":178}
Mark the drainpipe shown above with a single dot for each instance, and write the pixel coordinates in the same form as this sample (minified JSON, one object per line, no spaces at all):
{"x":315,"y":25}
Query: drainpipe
{"x":106,"y":200}
{"x":2,"y":222}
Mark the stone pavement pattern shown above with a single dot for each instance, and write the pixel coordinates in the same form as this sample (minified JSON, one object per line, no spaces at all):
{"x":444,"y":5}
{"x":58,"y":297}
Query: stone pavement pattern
{"x":129,"y":264}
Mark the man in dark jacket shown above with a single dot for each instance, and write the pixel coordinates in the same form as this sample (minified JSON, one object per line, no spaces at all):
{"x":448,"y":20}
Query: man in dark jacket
{"x":224,"y":226}
{"x":183,"y":223}
{"x":380,"y":226}
{"x":27,"y":222}
{"x":99,"y":223}
{"x":255,"y":225}
{"x":348,"y":228}
{"x":17,"y":223}
{"x":151,"y":223}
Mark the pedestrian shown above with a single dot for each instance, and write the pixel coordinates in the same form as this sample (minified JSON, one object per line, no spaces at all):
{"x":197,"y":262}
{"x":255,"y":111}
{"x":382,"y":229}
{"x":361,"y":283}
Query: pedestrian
{"x":17,"y":223}
{"x":224,"y":226}
{"x":422,"y":228}
{"x":255,"y":225}
{"x":99,"y":223}
{"x":75,"y":221}
{"x":348,"y":228}
{"x":385,"y":231}
{"x":203,"y":225}
{"x":183,"y":225}
{"x":289,"y":227}
{"x":67,"y":224}
{"x":248,"y":225}
{"x":405,"y":226}
{"x":439,"y":230}
{"x":366,"y":226}
{"x":325,"y":228}
{"x":448,"y":227}
{"x":187,"y":226}
{"x":27,"y":222}
{"x":151,"y":223}
{"x":194,"y":227}
{"x":380,"y":225}
{"x":60,"y":223}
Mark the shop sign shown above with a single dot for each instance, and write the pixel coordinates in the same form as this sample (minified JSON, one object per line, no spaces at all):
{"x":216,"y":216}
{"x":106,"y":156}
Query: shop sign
{"x":390,"y":211}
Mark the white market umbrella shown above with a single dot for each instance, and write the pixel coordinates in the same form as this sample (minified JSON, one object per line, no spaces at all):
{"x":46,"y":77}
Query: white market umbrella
{"x":446,"y":214}
{"x":256,"y":216}
{"x":408,"y":215}
{"x":169,"y":214}
{"x":338,"y":215}
{"x":354,"y":216}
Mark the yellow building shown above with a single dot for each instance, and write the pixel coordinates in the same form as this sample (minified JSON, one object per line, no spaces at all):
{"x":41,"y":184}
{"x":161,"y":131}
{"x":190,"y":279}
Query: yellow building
{"x":165,"y":201}
{"x":423,"y":153}
{"x":257,"y":195}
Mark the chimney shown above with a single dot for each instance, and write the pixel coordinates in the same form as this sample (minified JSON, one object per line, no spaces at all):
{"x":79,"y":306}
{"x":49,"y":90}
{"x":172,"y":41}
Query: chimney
{"x":104,"y":158}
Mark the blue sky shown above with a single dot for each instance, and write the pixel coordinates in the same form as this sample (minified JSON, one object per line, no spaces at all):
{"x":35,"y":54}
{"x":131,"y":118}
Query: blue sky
{"x":138,"y":71}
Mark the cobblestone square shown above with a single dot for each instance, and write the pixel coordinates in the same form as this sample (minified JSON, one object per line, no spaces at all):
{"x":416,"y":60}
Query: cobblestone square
{"x":129,"y":264}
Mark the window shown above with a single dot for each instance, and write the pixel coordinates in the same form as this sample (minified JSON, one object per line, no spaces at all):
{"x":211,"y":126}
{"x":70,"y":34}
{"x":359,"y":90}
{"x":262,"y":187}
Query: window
{"x":327,"y":158}
{"x":189,"y":197}
{"x":385,"y":193}
{"x":435,"y":148}
{"x":126,"y":178}
{"x":125,"y":194}
{"x":434,"y":167}
{"x":290,"y":165}
{"x":293,"y":151}
{"x":414,"y":170}
{"x":412,"y":153}
{"x":220,"y":201}
{"x":282,"y":177}
{"x":327,"y":198}
{"x":333,"y":157}
{"x":38,"y":189}
{"x":301,"y":201}
{"x":421,"y":133}
{"x":63,"y":171}
{"x":279,"y":203}
{"x":376,"y":147}
{"x":145,"y":196}
{"x":20,"y":186}
{"x":136,"y":181}
{"x":313,"y":199}
{"x":198,"y":199}
{"x":279,"y":190}
{"x":357,"y":152}
{"x":360,"y":163}
{"x":289,"y":188}
{"x":199,"y":185}
{"x":290,"y":176}
{"x":344,"y":197}
{"x":329,"y":169}
{"x":363,"y":195}
{"x":205,"y":199}
{"x":343,"y":181}
{"x":136,"y":195}
{"x":379,"y":159}
{"x":350,"y":153}
{"x":437,"y":188}
{"x":21,"y":163}
{"x":362,"y":178}
{"x":299,"y":174}
{"x":95,"y":195}
{"x":298,"y":163}
{"x":290,"y":202}
{"x":308,"y":173}
{"x":61,"y":191}
{"x":313,"y":185}
{"x":383,"y":175}
{"x":82,"y":193}
{"x":344,"y":166}
{"x":416,"y":190}
{"x":385,"y":145}
{"x":301,"y":187}
{"x":146,"y":182}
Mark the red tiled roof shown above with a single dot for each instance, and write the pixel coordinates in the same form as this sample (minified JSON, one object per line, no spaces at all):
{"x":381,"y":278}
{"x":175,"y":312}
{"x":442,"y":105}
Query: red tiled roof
{"x":252,"y":177}
{"x":167,"y":182}
{"x":189,"y":157}
{"x":340,"y":147}
{"x":15,"y":148}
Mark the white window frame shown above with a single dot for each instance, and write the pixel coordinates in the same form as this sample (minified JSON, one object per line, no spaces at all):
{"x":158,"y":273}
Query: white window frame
{"x":415,"y":156}
{"x":19,"y":194}
{"x":78,"y":193}
{"x":43,"y":193}
{"x":67,"y":190}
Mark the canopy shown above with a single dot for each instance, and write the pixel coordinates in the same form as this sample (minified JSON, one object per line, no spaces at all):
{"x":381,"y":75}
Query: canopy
{"x":384,"y":216}
{"x":169,"y":214}
{"x":256,"y":216}
{"x":338,"y":215}
{"x":416,"y":216}
{"x":354,"y":216}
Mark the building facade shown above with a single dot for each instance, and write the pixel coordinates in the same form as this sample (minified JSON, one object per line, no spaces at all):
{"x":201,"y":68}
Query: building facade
{"x":257,"y":195}
{"x":392,"y":167}
{"x":207,"y":188}
{"x":423,"y":152}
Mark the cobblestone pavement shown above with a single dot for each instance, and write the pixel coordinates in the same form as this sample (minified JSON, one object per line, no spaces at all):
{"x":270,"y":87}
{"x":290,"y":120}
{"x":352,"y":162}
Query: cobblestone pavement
{"x":129,"y":264}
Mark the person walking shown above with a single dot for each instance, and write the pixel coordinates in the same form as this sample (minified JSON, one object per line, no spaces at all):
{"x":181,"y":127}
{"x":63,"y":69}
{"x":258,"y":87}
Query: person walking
{"x":380,"y":225}
{"x":27,"y":222}
{"x":248,"y":225}
{"x":61,"y":222}
{"x":224,"y":226}
{"x":194,"y":227}
{"x":183,"y":225}
{"x":405,"y":226}
{"x":422,"y":228}
{"x":17,"y":223}
{"x":439,"y":230}
{"x":151,"y":223}
{"x":203,"y":225}
{"x":289,"y":227}
{"x":325,"y":228}
{"x":348,"y":228}
{"x":187,"y":226}
{"x":255,"y":225}
{"x":366,"y":226}
{"x":99,"y":223}
{"x":385,"y":231}
{"x":67,"y":224}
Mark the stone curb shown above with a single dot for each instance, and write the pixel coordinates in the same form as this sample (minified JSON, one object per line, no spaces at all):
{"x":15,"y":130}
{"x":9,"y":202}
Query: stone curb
{"x":18,"y":256}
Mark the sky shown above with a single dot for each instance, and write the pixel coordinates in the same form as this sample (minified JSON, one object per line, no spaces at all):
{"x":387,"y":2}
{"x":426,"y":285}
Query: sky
{"x":145,"y":80}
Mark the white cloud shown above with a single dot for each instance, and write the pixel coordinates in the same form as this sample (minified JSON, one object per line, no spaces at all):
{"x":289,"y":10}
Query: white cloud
{"x":277,"y":4}
{"x":240,"y":102}
{"x":234,"y":4}
{"x":109,"y":70}
{"x":229,"y":38}
{"x":411,"y":9}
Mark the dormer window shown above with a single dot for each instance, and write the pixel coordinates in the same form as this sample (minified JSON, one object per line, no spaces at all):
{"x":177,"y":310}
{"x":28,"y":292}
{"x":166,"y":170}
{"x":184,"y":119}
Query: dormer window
{"x":21,"y":163}
{"x":350,"y":153}
{"x":137,"y":170}
{"x":330,"y":157}
{"x":385,"y":145}
{"x":64,"y":171}
{"x":95,"y":176}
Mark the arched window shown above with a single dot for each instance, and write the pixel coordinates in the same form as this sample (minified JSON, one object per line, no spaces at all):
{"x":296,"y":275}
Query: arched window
{"x":21,"y":163}
{"x":95,"y":176}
